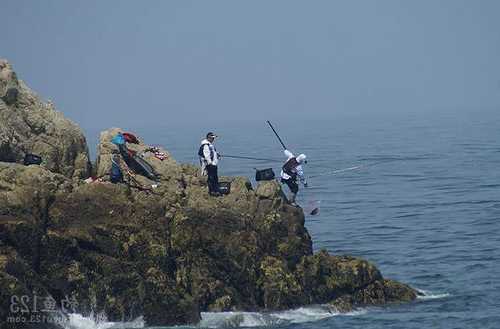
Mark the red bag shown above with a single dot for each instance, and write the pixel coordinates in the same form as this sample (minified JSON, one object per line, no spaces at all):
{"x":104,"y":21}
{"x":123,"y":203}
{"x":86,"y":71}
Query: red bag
{"x":130,"y":138}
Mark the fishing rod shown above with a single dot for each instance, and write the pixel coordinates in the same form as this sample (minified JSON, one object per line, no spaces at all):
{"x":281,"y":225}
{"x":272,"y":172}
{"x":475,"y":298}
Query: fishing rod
{"x":279,"y":138}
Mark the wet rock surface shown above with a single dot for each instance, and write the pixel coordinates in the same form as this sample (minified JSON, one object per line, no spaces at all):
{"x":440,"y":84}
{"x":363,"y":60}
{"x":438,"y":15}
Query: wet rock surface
{"x":166,"y":252}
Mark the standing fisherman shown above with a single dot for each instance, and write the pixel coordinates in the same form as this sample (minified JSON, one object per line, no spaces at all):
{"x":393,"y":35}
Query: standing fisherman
{"x":209,"y":158}
{"x":290,"y":171}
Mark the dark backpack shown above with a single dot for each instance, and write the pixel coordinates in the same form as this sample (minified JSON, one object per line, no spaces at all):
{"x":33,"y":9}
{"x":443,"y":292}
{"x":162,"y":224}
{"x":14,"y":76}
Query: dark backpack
{"x":200,"y":150}
{"x":115,"y":174}
{"x":289,"y":167}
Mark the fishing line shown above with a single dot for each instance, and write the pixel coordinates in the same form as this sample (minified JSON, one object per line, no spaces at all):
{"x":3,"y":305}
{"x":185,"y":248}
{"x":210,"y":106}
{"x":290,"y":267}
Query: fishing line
{"x":282,"y":161}
{"x":338,"y":171}
{"x":249,"y":158}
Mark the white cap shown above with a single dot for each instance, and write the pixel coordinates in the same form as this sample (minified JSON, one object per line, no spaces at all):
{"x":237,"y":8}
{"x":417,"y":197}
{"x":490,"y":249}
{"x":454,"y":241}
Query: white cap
{"x":301,"y":158}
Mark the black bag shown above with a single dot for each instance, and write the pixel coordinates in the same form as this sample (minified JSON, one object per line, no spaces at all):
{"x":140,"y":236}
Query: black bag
{"x":225,"y":187}
{"x":264,"y":174}
{"x":32,"y":159}
{"x":115,"y":174}
{"x":10,"y":96}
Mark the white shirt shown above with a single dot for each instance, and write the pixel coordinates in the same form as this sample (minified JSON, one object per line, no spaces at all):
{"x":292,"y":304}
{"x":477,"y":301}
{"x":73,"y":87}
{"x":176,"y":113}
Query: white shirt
{"x":210,"y":155}
{"x":298,"y":169}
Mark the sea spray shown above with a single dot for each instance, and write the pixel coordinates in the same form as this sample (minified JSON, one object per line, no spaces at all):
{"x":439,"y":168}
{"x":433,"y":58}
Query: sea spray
{"x":99,"y":321}
{"x":257,"y":319}
{"x":425,"y":295}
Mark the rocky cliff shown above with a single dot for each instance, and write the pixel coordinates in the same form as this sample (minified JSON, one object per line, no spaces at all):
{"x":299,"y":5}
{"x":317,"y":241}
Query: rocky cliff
{"x":29,"y":125}
{"x":166,"y":253}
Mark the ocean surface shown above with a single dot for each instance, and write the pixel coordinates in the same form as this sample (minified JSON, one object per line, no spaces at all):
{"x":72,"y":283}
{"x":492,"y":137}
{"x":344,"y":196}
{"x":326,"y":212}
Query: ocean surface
{"x":424,"y":207}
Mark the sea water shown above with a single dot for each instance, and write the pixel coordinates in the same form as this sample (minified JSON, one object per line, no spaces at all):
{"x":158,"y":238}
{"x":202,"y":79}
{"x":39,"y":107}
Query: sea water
{"x":424,"y":207}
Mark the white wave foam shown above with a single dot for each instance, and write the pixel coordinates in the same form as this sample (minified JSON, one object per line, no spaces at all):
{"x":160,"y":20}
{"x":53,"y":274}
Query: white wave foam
{"x":430,"y":295}
{"x":78,"y":321}
{"x":255,"y":319}
{"x":232,"y":319}
{"x":356,"y":312}
{"x":220,"y":319}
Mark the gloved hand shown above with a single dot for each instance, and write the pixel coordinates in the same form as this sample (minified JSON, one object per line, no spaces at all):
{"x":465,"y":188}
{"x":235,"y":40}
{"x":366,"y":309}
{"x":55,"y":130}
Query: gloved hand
{"x":306,"y":185}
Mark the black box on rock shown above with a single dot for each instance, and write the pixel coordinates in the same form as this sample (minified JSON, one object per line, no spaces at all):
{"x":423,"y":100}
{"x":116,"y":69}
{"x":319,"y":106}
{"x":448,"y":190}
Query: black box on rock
{"x":225,"y":187}
{"x":32,"y":159}
{"x":264,"y":174}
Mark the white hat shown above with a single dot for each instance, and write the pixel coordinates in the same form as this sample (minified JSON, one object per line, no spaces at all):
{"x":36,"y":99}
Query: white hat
{"x":301,"y":158}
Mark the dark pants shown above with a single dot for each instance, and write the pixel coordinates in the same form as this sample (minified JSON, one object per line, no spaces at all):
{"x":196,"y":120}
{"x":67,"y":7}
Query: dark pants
{"x":213,"y":179}
{"x":292,"y":184}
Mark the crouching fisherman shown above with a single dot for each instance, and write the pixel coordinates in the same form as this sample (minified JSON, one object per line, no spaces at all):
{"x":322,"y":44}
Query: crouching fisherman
{"x":292,"y":169}
{"x":209,"y":159}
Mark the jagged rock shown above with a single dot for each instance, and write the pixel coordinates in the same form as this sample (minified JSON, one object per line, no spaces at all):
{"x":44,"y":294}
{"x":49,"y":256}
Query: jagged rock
{"x":19,"y":287}
{"x":327,"y":277}
{"x":280,"y":287}
{"x":268,"y":189}
{"x":165,"y":253}
{"x":222,"y":304}
{"x":343,"y":304}
{"x":28,"y":125}
{"x":24,"y":188}
{"x":346,"y":282}
{"x":384,"y":291}
{"x":167,"y":169}
{"x":105,"y":150}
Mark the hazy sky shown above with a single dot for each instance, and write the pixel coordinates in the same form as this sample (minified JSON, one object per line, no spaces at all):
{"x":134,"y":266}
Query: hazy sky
{"x":126,"y":63}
